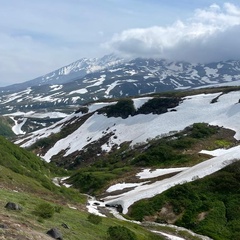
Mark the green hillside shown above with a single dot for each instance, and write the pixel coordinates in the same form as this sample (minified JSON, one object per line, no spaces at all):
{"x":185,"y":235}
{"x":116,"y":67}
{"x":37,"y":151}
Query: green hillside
{"x":6,"y":127}
{"x":27,"y":181}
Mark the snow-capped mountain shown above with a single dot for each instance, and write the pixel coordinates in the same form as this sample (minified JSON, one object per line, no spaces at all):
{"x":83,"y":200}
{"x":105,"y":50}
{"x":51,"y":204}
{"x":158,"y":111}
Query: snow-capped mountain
{"x":88,"y":80}
{"x":68,"y":73}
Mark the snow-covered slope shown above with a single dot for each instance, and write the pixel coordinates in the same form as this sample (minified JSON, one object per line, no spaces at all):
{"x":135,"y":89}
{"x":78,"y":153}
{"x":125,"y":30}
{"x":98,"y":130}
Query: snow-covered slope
{"x":225,"y":111}
{"x":198,"y":171}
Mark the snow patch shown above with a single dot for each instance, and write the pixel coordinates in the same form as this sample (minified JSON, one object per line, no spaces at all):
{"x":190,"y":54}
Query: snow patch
{"x":148,"y":173}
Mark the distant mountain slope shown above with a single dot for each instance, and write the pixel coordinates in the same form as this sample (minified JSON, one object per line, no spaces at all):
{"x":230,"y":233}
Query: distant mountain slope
{"x":67,"y":73}
{"x":103,"y":129}
{"x":111,"y":77}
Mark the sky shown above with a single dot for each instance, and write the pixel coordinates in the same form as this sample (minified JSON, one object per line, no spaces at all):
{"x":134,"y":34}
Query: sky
{"x":37,"y":37}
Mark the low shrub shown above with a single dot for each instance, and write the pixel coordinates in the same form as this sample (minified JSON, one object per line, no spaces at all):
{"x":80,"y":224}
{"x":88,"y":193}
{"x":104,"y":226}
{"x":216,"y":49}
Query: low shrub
{"x":44,"y":210}
{"x":95,"y":219}
{"x":121,"y":233}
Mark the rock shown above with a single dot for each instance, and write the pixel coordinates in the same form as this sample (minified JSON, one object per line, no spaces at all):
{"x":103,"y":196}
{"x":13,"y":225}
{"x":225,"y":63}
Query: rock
{"x":119,"y":208}
{"x":13,"y":206}
{"x":96,"y":203}
{"x":55,"y":233}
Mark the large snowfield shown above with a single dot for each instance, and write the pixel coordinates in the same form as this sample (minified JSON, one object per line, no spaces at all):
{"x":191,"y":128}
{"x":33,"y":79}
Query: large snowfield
{"x":137,"y":129}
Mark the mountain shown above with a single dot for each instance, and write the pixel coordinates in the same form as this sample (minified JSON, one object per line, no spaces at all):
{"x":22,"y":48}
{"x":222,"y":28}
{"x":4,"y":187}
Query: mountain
{"x":134,"y":154}
{"x":89,"y":80}
{"x":67,"y":73}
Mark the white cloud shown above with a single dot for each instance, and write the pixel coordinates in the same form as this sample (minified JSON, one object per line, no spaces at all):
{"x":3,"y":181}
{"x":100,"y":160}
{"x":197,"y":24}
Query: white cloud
{"x":37,"y":37}
{"x":210,"y":35}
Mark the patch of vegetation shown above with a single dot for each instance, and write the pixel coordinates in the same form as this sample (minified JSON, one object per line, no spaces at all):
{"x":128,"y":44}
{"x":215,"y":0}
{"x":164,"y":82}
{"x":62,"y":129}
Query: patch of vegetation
{"x":123,"y":108}
{"x":94,"y":177}
{"x":168,"y":151}
{"x":82,"y":110}
{"x":202,"y":130}
{"x":158,"y":105}
{"x":5,"y":127}
{"x":25,"y":163}
{"x":95,"y":219}
{"x":223,"y":143}
{"x":24,"y":171}
{"x":44,"y":210}
{"x":208,"y":206}
{"x":121,"y":233}
{"x":90,"y":181}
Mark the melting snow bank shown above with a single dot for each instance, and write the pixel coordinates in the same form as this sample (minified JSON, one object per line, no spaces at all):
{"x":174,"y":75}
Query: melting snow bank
{"x":139,"y":128}
{"x":170,"y":237}
{"x":92,"y":206}
{"x":121,"y":186}
{"x":190,"y":174}
{"x":148,"y":173}
{"x":59,"y":181}
{"x":17,"y":128}
{"x":176,"y":229}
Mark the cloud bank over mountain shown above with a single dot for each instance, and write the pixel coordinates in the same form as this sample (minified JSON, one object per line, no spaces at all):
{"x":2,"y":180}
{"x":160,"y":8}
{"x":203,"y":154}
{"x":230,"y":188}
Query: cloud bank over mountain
{"x":37,"y":37}
{"x":210,"y":35}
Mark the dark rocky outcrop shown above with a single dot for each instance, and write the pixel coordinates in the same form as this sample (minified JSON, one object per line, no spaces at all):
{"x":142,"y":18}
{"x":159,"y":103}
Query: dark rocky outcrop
{"x":55,"y":233}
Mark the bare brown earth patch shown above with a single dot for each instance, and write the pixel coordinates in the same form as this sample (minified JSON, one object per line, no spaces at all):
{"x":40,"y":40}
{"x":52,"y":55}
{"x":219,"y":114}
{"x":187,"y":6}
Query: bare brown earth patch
{"x":165,"y":215}
{"x":13,"y":229}
{"x":201,"y":216}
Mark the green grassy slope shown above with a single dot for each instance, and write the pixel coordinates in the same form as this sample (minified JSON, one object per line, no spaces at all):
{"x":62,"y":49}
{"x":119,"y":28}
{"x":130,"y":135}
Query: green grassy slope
{"x":26,"y":180}
{"x":5,"y":127}
{"x":30,"y":225}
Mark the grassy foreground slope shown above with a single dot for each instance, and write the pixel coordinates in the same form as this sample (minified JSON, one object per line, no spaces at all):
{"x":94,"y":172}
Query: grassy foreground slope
{"x":26,"y":180}
{"x":26,"y":224}
{"x":6,"y":127}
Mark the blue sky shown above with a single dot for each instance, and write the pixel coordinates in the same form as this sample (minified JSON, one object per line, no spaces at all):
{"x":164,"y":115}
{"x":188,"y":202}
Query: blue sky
{"x":37,"y":37}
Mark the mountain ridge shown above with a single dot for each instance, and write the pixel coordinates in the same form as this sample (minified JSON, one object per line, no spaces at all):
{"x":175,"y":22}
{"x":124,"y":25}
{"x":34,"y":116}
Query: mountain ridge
{"x":75,"y":69}
{"x":112,"y":77}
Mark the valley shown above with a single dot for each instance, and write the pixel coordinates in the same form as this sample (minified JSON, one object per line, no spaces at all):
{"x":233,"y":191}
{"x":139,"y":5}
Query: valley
{"x":123,"y":156}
